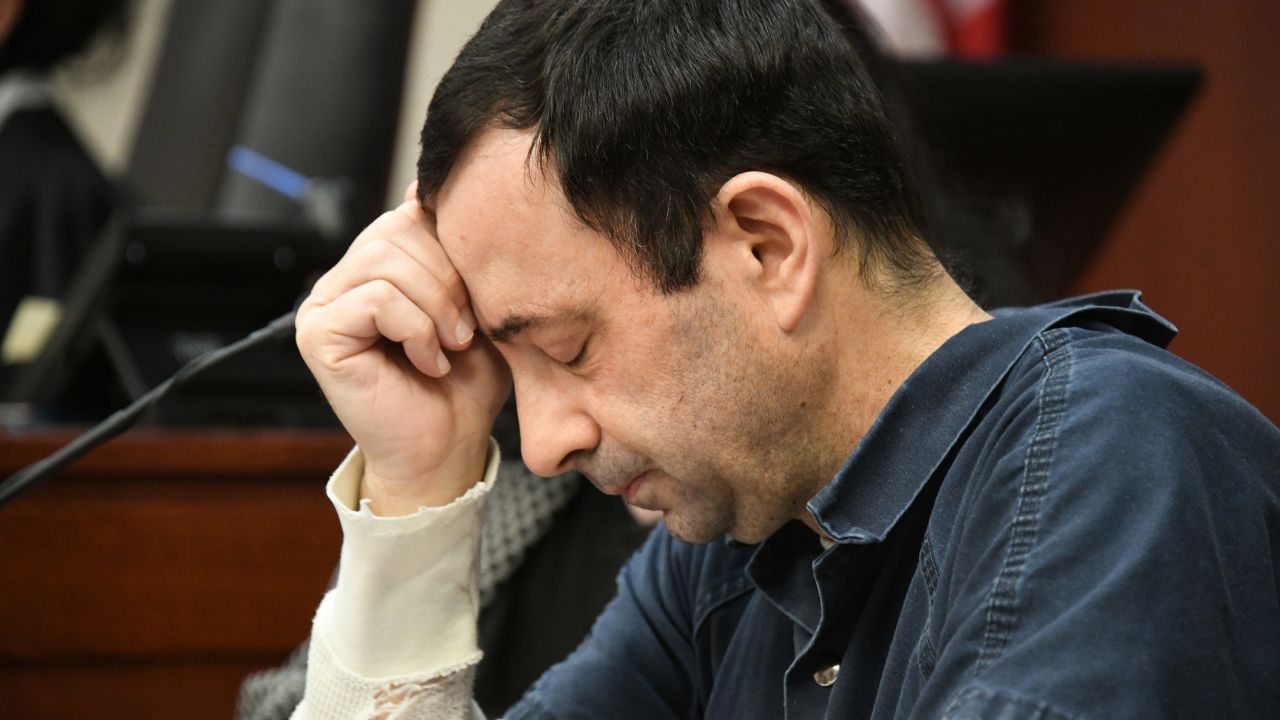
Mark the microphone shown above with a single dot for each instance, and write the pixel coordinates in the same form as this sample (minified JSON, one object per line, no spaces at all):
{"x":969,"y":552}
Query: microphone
{"x":125,"y":418}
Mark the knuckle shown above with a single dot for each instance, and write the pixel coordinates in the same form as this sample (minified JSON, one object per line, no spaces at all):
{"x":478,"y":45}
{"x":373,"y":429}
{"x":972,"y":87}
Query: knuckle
{"x":321,"y":287}
{"x":425,"y":329}
{"x":302,"y":337}
{"x":367,"y":232}
{"x":309,"y":305}
{"x":381,"y":292}
{"x":392,"y":220}
{"x":451,"y":280}
{"x":306,"y":336}
{"x":378,"y":252}
{"x":432,"y":286}
{"x":304,"y":323}
{"x":389,"y":222}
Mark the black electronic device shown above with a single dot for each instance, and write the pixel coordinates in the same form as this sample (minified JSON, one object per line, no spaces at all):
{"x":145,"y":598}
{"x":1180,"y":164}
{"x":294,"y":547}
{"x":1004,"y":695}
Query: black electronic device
{"x":161,"y":289}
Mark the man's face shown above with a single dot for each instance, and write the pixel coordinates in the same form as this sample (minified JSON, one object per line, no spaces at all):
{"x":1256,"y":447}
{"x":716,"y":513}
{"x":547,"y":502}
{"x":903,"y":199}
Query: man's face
{"x":679,"y":401}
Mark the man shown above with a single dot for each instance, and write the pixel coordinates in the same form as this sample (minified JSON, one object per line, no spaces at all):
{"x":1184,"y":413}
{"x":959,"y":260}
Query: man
{"x":684,"y":231}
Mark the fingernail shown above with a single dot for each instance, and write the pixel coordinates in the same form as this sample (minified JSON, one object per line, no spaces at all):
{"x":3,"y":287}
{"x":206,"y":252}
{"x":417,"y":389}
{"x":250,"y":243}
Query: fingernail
{"x":462,"y":332}
{"x":469,"y":318}
{"x":442,"y":362}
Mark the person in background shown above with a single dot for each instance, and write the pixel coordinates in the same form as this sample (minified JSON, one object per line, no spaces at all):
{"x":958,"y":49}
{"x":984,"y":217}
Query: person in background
{"x":54,"y":199}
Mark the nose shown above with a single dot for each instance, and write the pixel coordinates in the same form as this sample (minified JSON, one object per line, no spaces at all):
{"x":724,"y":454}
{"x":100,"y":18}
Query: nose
{"x":554,"y":426}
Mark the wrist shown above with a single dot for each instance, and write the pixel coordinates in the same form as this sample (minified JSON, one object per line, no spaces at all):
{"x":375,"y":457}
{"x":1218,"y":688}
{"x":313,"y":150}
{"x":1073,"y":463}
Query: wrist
{"x":395,"y":495}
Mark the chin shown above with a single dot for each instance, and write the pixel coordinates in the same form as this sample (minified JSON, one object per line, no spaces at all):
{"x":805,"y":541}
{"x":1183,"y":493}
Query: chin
{"x":752,"y":537}
{"x":692,"y":532}
{"x":754,"y":533}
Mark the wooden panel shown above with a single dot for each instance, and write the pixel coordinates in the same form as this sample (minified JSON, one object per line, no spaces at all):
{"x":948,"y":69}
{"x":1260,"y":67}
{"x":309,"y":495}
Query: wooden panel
{"x":1202,"y":237}
{"x":160,"y":569}
{"x":150,"y":452}
{"x":120,"y":691}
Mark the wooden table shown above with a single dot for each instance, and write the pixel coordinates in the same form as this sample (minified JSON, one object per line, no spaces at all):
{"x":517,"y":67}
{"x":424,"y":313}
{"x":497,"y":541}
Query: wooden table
{"x":152,"y":575}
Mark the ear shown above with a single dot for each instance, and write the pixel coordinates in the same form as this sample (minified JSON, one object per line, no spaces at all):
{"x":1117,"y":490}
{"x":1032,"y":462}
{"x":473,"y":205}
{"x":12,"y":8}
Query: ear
{"x":768,"y":234}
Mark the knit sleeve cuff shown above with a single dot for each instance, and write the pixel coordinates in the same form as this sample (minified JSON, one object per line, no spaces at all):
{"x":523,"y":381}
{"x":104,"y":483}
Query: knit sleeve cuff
{"x":405,"y":603}
{"x":335,"y":692}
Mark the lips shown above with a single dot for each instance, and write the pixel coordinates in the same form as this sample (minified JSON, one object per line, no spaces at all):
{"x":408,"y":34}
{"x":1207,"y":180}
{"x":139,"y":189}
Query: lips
{"x":626,"y":489}
{"x":629,"y":491}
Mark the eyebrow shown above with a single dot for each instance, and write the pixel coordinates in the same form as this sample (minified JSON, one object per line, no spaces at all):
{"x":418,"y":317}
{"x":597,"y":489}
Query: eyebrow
{"x":516,"y":323}
{"x":513,"y":325}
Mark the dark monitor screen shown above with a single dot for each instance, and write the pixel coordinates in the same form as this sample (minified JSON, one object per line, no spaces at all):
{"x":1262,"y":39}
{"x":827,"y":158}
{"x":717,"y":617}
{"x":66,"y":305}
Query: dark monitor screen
{"x":161,"y":289}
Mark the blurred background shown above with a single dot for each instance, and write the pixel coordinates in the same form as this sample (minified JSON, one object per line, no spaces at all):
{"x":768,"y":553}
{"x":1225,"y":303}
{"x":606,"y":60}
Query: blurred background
{"x":1197,"y":233}
{"x":1069,"y":146}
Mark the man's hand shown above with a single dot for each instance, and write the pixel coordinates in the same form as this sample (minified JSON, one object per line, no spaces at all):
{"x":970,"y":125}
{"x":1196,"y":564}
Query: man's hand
{"x":390,"y":336}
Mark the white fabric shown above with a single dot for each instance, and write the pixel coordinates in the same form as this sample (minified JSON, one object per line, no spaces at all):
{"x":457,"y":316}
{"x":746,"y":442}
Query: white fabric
{"x":913,"y":28}
{"x":365,"y":661}
{"x":518,"y":513}
{"x":909,"y":25}
{"x":334,"y":691}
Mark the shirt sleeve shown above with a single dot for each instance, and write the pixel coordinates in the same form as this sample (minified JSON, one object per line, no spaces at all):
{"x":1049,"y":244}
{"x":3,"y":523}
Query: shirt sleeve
{"x":396,"y":637}
{"x":1118,"y":562}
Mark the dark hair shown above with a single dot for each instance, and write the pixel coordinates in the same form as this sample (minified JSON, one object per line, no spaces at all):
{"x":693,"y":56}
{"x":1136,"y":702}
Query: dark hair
{"x":49,"y":31}
{"x":645,"y":108}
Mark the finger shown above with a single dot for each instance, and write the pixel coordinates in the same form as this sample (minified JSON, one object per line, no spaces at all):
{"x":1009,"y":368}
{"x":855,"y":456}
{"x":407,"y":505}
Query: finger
{"x":382,"y":260}
{"x":355,"y":321}
{"x":413,"y":231}
{"x":451,"y":278}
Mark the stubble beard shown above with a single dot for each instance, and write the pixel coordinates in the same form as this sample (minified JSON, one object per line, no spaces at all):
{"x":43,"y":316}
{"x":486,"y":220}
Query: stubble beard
{"x":762,"y":406}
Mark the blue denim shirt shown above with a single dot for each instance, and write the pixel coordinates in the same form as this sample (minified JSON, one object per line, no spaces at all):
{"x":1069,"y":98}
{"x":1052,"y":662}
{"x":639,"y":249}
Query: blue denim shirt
{"x":1052,"y":518}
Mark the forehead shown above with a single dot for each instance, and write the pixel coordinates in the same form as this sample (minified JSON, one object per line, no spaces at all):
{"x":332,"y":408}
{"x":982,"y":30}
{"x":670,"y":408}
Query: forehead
{"x":509,"y":231}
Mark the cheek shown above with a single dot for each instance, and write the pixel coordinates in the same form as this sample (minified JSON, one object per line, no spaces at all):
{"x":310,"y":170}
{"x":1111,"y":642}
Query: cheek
{"x":656,"y":405}
{"x":656,"y":385}
{"x":650,"y":418}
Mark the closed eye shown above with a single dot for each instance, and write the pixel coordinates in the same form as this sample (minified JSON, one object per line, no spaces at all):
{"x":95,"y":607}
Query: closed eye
{"x":581,"y":356}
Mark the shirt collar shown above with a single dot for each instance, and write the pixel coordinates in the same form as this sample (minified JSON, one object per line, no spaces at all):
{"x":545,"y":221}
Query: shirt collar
{"x":925,"y":418}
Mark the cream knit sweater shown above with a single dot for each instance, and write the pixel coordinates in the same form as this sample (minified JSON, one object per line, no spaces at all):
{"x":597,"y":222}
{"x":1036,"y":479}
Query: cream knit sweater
{"x":364,"y":661}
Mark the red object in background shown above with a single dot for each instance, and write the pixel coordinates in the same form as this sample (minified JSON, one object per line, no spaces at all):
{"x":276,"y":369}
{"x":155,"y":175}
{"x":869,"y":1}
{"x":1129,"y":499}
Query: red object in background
{"x":969,"y":29}
{"x":974,"y":29}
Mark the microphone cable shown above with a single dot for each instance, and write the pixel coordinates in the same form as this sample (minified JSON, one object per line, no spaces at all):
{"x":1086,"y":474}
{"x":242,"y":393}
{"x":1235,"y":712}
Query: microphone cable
{"x":125,"y":418}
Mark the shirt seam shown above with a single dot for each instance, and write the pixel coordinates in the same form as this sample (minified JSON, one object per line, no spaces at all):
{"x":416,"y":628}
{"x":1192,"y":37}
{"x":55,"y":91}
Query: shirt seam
{"x":1002,"y":604}
{"x":925,"y":655}
{"x":1031,"y":709}
{"x":725,"y":592}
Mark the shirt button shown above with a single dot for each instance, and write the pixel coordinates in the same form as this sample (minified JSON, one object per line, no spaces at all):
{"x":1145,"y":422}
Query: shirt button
{"x":826,"y":677}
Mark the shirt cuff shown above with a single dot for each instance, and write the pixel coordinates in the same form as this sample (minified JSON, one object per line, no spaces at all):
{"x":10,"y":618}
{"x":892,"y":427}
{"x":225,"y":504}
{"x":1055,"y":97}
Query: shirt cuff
{"x":405,"y":602}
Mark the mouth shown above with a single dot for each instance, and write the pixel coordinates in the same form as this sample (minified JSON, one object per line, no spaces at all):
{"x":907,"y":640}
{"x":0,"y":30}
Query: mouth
{"x":631,"y":488}
{"x":627,"y":489}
